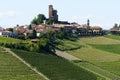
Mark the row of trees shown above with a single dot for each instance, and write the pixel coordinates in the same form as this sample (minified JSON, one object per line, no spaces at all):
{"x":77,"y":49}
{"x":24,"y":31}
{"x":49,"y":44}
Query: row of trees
{"x":50,"y":40}
{"x":66,"y":34}
{"x":47,"y":42}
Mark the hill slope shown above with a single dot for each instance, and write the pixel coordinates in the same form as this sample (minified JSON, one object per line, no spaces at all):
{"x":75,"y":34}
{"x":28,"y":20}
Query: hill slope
{"x":12,"y":69}
{"x":54,"y":67}
{"x":99,"y":53}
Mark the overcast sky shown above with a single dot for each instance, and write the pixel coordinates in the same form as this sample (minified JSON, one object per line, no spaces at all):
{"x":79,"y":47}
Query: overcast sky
{"x":100,"y":12}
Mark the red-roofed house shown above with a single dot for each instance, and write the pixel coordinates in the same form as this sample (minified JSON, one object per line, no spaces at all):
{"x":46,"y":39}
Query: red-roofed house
{"x":96,"y":28}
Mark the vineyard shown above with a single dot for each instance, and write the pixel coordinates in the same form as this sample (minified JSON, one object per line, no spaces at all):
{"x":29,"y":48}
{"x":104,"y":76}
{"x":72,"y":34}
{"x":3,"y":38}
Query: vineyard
{"x":12,"y":69}
{"x":56,"y":68}
{"x":101,"y":55}
{"x":68,"y":45}
{"x":100,"y":60}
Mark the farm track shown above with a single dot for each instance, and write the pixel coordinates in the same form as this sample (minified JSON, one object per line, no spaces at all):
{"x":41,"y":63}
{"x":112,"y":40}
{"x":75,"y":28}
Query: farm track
{"x":66,"y":55}
{"x":27,"y":64}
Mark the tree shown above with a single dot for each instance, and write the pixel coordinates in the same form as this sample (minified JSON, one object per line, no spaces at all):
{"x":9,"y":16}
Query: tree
{"x":30,"y":27}
{"x":60,"y":34}
{"x":115,"y":25}
{"x":49,"y":22}
{"x":39,"y":19}
{"x":34,"y":21}
{"x":10,"y":29}
{"x":42,"y":43}
{"x":47,"y":41}
{"x":29,"y":36}
{"x":21,"y":36}
{"x":32,"y":35}
{"x":119,"y":26}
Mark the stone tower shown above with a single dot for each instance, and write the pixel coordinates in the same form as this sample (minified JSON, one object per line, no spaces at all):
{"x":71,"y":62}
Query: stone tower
{"x":50,"y":11}
{"x":88,"y":23}
{"x":53,"y":13}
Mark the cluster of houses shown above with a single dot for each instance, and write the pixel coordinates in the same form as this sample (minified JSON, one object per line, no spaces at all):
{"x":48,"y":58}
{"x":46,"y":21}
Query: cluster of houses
{"x":82,"y":30}
{"x":115,"y":30}
{"x":4,"y":32}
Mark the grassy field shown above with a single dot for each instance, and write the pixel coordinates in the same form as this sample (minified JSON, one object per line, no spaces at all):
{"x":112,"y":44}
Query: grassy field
{"x":113,"y":67}
{"x":98,"y":40}
{"x":69,"y":45}
{"x":56,"y":68}
{"x":100,"y":57}
{"x":97,"y":70}
{"x":88,"y":53}
{"x":9,"y":40}
{"x":12,"y":69}
{"x":117,"y":37}
{"x":100,"y":51}
{"x":114,"y":48}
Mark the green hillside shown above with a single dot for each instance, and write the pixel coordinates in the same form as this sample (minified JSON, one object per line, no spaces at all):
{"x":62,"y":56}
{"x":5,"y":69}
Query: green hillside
{"x":54,"y":67}
{"x":117,"y":37}
{"x":114,"y":48}
{"x":98,"y":40}
{"x":101,"y":55}
{"x":13,"y":69}
{"x":68,"y":45}
{"x":9,"y":40}
{"x":113,"y":67}
{"x":88,"y":53}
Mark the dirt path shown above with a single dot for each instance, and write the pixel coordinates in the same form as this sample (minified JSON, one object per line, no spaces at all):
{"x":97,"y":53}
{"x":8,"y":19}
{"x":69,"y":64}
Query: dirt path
{"x":66,"y":55}
{"x":35,"y":70}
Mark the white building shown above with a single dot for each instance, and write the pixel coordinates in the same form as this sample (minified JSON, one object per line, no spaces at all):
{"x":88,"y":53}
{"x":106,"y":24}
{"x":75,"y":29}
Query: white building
{"x":6,"y":33}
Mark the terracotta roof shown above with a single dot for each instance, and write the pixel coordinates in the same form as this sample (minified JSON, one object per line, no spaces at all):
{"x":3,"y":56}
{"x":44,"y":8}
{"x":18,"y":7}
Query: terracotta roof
{"x":34,"y":40}
{"x":39,"y":30}
{"x":21,"y":30}
{"x":80,"y":27}
{"x":1,"y":30}
{"x":28,"y":31}
{"x":56,"y":29}
{"x":96,"y":27}
{"x":114,"y":29}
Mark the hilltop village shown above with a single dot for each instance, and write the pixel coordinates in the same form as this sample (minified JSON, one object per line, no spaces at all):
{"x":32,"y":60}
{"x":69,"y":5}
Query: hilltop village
{"x":50,"y":49}
{"x":52,"y":24}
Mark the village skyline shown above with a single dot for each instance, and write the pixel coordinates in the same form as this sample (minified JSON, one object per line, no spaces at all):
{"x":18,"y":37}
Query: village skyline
{"x":22,"y":12}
